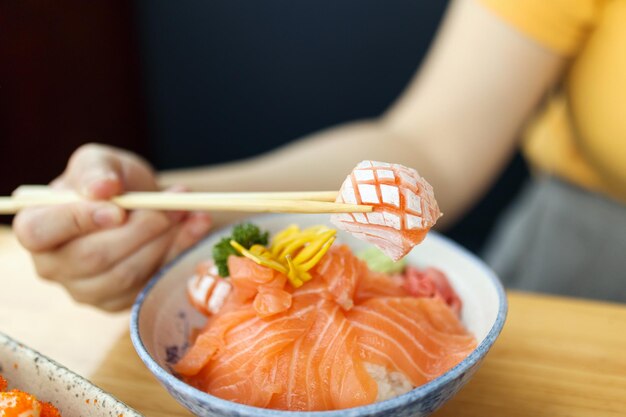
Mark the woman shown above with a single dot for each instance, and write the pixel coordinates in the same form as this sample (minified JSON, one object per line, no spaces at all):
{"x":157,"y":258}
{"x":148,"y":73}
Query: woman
{"x":495,"y":65}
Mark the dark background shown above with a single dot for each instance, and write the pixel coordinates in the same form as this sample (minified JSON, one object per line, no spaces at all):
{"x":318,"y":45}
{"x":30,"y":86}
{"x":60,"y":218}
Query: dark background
{"x":200,"y":82}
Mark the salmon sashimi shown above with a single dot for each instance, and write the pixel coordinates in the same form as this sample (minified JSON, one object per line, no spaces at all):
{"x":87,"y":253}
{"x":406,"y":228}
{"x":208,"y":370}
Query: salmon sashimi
{"x":270,"y":301}
{"x":206,"y":290}
{"x":340,"y":271}
{"x":404,"y":206}
{"x":326,"y":345}
{"x":419,"y":337}
{"x":378,"y":284}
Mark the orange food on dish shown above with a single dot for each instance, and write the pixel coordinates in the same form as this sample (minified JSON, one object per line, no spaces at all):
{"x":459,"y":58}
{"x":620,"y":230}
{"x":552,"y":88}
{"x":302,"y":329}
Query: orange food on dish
{"x":16,"y":403}
{"x":333,"y":343}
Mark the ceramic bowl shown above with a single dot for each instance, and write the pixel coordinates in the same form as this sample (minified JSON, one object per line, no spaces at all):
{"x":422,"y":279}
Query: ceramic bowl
{"x":73,"y":395}
{"x":162,"y":319}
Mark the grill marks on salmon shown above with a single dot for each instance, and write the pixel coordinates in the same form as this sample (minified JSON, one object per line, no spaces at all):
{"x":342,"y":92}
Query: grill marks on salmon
{"x":404,"y":206}
{"x":314,"y":354}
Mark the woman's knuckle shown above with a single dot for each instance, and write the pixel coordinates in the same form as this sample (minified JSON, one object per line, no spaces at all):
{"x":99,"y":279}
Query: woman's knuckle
{"x":89,"y":148}
{"x":93,"y":258}
{"x":86,"y":151}
{"x":127,"y":277}
{"x":80,"y":217}
{"x":83,"y":295}
{"x":80,"y":153}
{"x":112,"y":306}
{"x":93,"y":291}
{"x":152,"y":223}
{"x":25,"y":228}
{"x":45,"y":268}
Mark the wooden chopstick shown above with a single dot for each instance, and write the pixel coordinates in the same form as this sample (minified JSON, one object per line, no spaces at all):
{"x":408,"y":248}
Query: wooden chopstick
{"x":39,"y":190}
{"x":277,"y":202}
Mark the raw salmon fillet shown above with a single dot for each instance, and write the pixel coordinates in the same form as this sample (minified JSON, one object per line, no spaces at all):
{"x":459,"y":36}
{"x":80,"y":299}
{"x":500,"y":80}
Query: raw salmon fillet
{"x":310,"y":348}
{"x":206,"y":290}
{"x":404,"y":206}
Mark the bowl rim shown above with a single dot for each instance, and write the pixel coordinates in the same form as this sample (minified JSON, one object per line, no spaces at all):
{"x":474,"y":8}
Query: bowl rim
{"x":412,"y":396}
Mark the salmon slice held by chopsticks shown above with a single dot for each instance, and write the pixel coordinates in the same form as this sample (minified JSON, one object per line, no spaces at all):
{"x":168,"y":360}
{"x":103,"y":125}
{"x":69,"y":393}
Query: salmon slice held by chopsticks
{"x":404,"y":206}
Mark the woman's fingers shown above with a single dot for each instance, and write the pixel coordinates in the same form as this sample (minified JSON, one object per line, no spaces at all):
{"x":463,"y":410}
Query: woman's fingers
{"x":195,"y":227}
{"x":44,"y":228}
{"x":101,"y":172}
{"x":101,"y":253}
{"x":95,"y":171}
{"x":121,"y":302}
{"x":116,"y":287}
{"x":98,"y":172}
{"x":98,"y":252}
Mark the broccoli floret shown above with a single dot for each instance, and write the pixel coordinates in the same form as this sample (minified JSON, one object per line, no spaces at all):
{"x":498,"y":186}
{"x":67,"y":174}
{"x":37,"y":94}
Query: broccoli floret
{"x":246,"y":234}
{"x":221,"y":251}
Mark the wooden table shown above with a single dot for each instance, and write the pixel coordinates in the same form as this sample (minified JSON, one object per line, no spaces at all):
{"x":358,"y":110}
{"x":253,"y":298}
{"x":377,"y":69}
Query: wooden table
{"x":556,"y":356}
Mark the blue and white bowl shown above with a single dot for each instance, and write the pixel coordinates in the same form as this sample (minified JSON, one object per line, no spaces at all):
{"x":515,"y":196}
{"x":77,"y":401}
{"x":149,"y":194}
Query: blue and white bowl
{"x":162,"y":320}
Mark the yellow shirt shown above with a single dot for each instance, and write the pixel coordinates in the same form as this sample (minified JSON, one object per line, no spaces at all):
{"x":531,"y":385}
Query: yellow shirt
{"x":580,"y":133}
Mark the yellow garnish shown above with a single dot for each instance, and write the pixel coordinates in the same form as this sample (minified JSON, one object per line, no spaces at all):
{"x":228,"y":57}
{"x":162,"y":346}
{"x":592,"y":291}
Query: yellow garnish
{"x":259,"y":254}
{"x":296,"y":277}
{"x":293,"y":252}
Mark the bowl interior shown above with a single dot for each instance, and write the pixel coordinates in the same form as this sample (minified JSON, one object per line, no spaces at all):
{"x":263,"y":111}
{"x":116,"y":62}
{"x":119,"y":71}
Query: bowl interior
{"x":164,"y":318}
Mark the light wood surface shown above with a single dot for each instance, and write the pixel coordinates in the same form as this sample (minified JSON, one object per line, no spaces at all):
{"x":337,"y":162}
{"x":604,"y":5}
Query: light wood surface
{"x":556,"y":357}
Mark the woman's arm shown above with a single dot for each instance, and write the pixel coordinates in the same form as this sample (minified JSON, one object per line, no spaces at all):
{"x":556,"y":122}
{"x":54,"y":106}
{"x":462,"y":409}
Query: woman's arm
{"x":457,"y":122}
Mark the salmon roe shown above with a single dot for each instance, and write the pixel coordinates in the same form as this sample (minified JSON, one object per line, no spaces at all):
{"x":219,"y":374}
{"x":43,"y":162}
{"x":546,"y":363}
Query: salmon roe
{"x":16,"y":403}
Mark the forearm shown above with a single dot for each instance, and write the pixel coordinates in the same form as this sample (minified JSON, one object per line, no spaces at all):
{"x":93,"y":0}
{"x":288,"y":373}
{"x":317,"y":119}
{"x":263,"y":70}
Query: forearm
{"x":322,"y":161}
{"x":456,"y":124}
{"x":317,"y":162}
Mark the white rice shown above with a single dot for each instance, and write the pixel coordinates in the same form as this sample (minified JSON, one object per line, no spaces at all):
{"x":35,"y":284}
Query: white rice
{"x":390,"y":384}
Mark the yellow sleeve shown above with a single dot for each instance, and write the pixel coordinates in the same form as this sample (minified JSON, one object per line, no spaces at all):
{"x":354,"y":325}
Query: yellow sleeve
{"x":560,"y":25}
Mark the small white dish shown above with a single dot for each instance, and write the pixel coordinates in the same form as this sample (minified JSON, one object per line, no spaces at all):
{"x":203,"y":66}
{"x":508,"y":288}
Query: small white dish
{"x":73,"y":395}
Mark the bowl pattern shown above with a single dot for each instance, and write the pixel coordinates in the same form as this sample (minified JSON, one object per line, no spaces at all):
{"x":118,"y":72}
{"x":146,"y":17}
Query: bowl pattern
{"x":162,"y":320}
{"x":425,"y":406}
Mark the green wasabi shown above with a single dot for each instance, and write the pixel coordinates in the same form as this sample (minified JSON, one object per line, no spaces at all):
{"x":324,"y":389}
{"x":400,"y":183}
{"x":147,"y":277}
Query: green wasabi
{"x":379,"y":262}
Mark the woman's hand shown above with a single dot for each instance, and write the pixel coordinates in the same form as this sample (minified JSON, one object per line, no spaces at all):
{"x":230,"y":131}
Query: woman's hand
{"x":102,"y":254}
